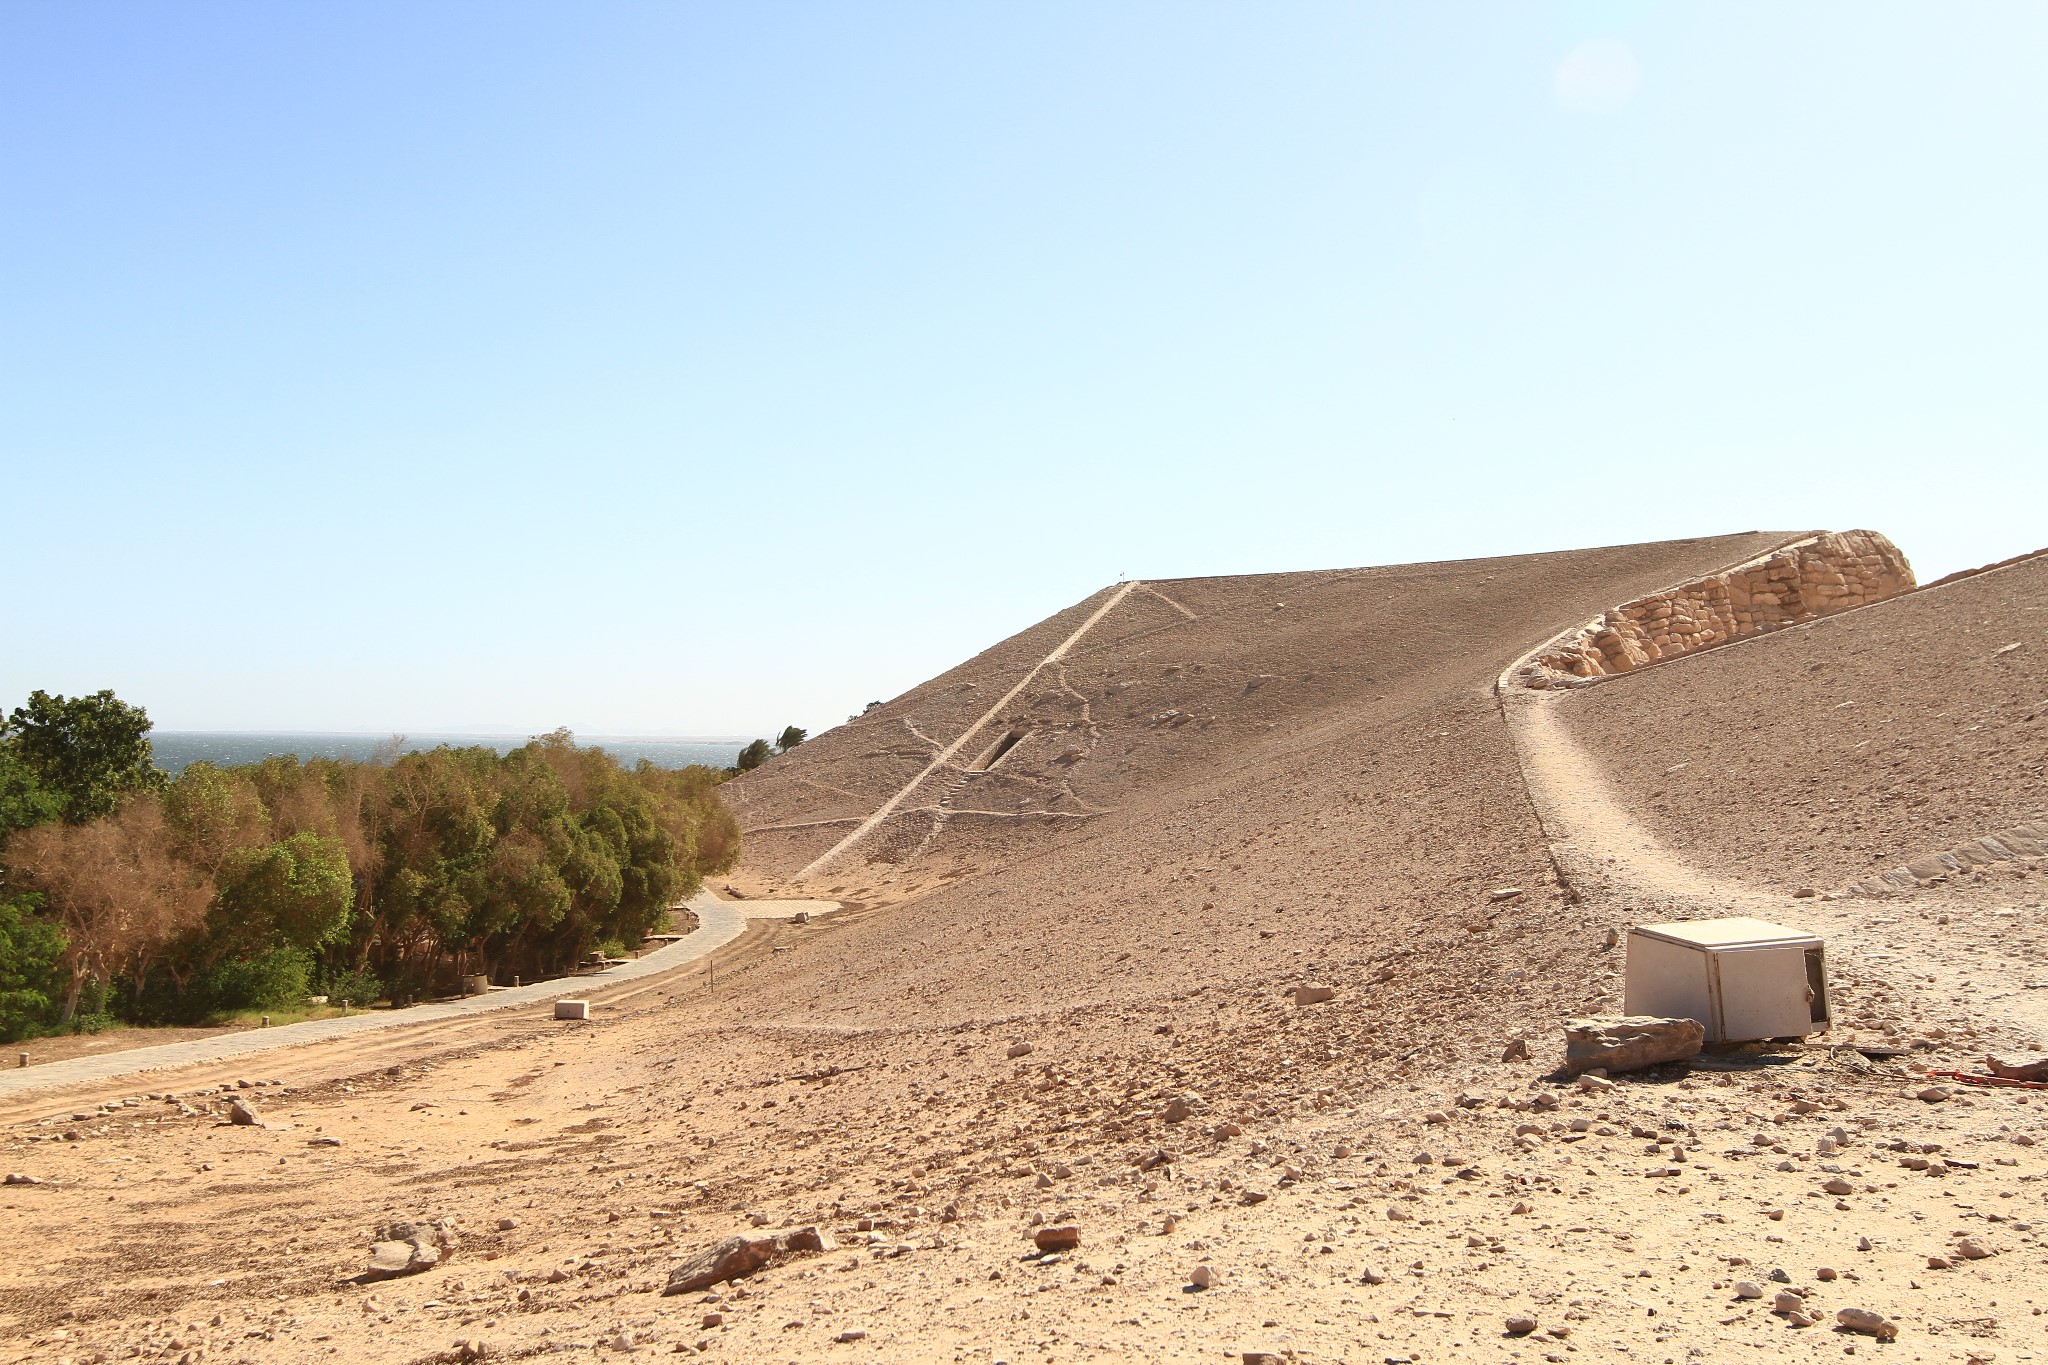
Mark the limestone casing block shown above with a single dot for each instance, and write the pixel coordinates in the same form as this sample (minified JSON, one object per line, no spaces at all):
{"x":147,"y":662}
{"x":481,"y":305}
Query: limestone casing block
{"x":1630,"y":1042}
{"x":1820,"y":576}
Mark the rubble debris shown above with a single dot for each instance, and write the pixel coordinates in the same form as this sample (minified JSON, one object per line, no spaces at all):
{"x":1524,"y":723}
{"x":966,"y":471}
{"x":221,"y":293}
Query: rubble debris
{"x":1629,"y":1042}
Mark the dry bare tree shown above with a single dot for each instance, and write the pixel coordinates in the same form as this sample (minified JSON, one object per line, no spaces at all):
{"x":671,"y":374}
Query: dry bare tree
{"x":118,"y":888}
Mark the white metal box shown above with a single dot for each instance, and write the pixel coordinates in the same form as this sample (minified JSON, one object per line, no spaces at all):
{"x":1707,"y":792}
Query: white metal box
{"x":572,"y":1009}
{"x":1743,"y":979}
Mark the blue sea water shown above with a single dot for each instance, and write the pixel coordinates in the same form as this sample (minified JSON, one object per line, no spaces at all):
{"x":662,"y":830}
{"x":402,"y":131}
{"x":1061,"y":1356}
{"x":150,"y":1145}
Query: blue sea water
{"x":175,"y":749}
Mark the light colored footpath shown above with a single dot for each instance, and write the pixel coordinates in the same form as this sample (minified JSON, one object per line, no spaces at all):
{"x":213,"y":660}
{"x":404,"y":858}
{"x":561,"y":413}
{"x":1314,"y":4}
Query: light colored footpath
{"x":718,"y":923}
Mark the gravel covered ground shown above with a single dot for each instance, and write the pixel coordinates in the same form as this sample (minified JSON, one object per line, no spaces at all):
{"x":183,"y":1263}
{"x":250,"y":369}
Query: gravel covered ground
{"x":1026,"y":1023}
{"x":1821,"y":754}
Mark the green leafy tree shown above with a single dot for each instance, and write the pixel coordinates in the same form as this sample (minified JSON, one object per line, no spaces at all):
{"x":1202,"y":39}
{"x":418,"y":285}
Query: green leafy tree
{"x":24,"y":800}
{"x":753,"y":756}
{"x":31,"y":975}
{"x":90,"y":751}
{"x":295,"y":893}
{"x":790,"y":737}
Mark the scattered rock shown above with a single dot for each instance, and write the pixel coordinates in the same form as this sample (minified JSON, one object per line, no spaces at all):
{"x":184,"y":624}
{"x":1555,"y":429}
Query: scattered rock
{"x":1520,"y":1325}
{"x":1837,"y":1185}
{"x":1748,"y":1289}
{"x":851,"y":1334}
{"x":1064,"y":1237}
{"x":1863,"y":1320}
{"x":1970,"y":1249}
{"x":1933,"y":1094}
{"x":1595,"y":1084}
{"x":242,"y":1114}
{"x":1314,"y":995}
{"x":2017,"y":1071}
{"x":405,"y":1249}
{"x":737,"y":1257}
{"x":1504,"y":893}
{"x":1517,"y":1050}
{"x":1787,"y":1302}
{"x":507,"y":1224}
{"x":1372,"y":1274}
{"x":1629,"y":1042}
{"x":1019,"y":1050}
{"x":16,"y":1178}
{"x":1201,"y":1277}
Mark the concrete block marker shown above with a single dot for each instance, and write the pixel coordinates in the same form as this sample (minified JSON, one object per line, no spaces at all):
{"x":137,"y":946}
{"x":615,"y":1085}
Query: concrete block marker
{"x":572,"y":1009}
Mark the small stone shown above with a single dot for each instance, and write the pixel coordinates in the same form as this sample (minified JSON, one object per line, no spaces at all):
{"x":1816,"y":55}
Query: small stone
{"x":1863,"y":1320}
{"x":1933,"y":1094}
{"x":1595,"y":1084}
{"x":1970,"y":1249}
{"x":1517,"y":1050}
{"x":851,"y":1334}
{"x":1065,"y":1237}
{"x":1504,"y":893}
{"x":1826,"y":1272}
{"x":241,"y":1114}
{"x":1839,"y":1186}
{"x":1787,"y":1302}
{"x":713,"y":1320}
{"x":1201,"y":1277}
{"x":1314,"y":995}
{"x":1019,"y":1050}
{"x":1748,"y":1289}
{"x":1520,"y":1325}
{"x":507,"y":1224}
{"x":1865,"y":1244}
{"x":1372,"y":1274}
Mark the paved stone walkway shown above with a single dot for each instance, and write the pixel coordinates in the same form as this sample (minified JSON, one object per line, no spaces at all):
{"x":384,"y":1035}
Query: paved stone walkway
{"x":718,"y":923}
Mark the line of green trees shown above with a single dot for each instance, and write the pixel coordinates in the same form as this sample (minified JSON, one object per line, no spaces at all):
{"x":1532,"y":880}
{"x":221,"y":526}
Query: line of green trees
{"x":126,"y":894}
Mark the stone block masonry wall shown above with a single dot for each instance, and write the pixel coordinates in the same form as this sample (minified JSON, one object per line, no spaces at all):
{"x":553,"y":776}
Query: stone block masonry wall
{"x":1816,"y":577}
{"x":2026,"y":843}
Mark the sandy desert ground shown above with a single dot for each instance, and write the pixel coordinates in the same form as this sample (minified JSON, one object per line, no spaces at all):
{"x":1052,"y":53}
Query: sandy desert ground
{"x":1061,"y":993}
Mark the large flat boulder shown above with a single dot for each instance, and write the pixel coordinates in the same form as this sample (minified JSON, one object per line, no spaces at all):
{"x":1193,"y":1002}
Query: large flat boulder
{"x":406,"y":1249}
{"x":738,"y":1257}
{"x":1629,"y":1042}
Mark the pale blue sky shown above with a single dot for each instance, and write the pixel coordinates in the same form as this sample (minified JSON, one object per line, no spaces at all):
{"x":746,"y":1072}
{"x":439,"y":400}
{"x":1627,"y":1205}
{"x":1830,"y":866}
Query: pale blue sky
{"x":697,"y":369}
